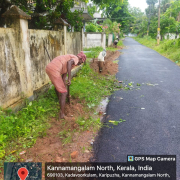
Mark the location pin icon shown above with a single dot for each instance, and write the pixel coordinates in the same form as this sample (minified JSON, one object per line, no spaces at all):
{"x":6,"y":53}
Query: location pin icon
{"x":23,"y":173}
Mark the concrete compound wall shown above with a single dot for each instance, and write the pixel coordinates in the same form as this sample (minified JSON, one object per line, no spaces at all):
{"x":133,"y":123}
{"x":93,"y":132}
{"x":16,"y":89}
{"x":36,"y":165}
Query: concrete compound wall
{"x":39,"y":57}
{"x":74,"y":42}
{"x":110,"y":39}
{"x":23,"y":59}
{"x":15,"y":78}
{"x":10,"y":77}
{"x":94,"y":39}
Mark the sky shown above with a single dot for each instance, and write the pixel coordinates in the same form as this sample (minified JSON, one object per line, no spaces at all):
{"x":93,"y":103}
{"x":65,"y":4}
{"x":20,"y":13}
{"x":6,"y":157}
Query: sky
{"x":138,"y":3}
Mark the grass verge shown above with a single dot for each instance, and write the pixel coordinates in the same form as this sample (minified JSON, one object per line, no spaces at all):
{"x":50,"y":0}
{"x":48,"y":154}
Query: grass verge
{"x":94,"y":51}
{"x":120,"y":43}
{"x":21,"y":130}
{"x":167,"y":48}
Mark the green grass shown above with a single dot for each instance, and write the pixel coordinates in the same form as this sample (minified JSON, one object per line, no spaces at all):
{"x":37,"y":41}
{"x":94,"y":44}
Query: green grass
{"x":93,"y":49}
{"x":120,"y":43}
{"x":21,"y":130}
{"x":168,"y":48}
{"x":90,"y":86}
{"x":88,"y":60}
{"x":89,"y":122}
{"x":147,"y":41}
{"x":111,"y":49}
{"x":94,"y":52}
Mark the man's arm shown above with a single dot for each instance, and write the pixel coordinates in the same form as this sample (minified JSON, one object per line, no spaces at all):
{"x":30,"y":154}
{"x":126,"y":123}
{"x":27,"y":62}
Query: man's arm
{"x":69,"y":66}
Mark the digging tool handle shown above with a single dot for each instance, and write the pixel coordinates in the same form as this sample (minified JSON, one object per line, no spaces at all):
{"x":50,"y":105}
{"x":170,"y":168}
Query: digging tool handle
{"x":68,"y":86}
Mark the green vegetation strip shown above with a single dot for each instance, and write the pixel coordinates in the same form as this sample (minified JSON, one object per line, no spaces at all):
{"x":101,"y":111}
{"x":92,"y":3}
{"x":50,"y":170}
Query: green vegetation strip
{"x":168,"y":48}
{"x":120,"y":43}
{"x":20,"y":130}
{"x":94,"y":51}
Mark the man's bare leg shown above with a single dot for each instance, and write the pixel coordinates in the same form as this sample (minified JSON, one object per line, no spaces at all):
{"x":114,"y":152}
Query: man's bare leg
{"x":100,"y":66}
{"x":58,"y":95}
{"x":62,"y":104}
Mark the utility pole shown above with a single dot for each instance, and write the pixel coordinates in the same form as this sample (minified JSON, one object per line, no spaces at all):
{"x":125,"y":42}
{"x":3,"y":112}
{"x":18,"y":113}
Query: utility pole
{"x":158,"y":29}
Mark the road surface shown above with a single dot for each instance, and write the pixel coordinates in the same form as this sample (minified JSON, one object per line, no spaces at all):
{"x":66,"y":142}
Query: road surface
{"x":151,"y":110}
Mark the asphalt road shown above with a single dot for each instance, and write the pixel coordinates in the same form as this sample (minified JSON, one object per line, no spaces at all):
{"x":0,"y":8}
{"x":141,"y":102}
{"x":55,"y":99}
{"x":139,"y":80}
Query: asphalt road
{"x":151,"y":110}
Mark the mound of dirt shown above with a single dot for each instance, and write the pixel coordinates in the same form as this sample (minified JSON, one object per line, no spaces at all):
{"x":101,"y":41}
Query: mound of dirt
{"x":51,"y":149}
{"x":109,"y":67}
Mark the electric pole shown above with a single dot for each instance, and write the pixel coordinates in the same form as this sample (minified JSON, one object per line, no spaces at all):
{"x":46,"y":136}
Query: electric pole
{"x":158,"y":29}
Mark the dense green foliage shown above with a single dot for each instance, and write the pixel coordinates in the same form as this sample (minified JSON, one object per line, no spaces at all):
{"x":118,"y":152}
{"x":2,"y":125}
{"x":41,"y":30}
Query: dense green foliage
{"x":93,"y":27}
{"x":45,"y":12}
{"x":111,"y":27}
{"x":119,"y":13}
{"x":170,"y":18}
{"x":92,"y":9}
{"x":93,"y":52}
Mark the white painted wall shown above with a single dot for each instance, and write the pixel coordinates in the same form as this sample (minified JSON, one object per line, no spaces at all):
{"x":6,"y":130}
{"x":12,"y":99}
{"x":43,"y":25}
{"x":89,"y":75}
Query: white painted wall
{"x":104,"y":41}
{"x":132,"y":35}
{"x":110,"y":39}
{"x":94,"y":40}
{"x":171,"y":36}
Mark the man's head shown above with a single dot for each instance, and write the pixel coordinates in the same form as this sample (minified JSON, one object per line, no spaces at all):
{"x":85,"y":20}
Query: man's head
{"x":82,"y":57}
{"x":80,"y":61}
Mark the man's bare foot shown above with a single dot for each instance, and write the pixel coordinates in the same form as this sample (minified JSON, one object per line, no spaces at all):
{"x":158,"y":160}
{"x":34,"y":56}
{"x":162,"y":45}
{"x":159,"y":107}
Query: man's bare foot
{"x":62,"y":116}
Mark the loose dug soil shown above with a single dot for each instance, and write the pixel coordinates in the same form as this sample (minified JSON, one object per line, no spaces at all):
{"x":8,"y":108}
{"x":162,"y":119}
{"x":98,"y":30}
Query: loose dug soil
{"x":51,"y":149}
{"x":109,"y":67}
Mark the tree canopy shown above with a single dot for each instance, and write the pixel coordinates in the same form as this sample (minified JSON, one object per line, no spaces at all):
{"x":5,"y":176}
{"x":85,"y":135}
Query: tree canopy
{"x":170,"y":18}
{"x":45,"y":12}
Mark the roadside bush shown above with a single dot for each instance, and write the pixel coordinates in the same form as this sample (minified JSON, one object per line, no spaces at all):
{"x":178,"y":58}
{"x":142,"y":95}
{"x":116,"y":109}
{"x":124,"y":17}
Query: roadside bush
{"x":121,"y":35}
{"x":120,"y":43}
{"x":93,"y":28}
{"x":140,"y":35}
{"x":178,"y":42}
{"x":94,"y":51}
